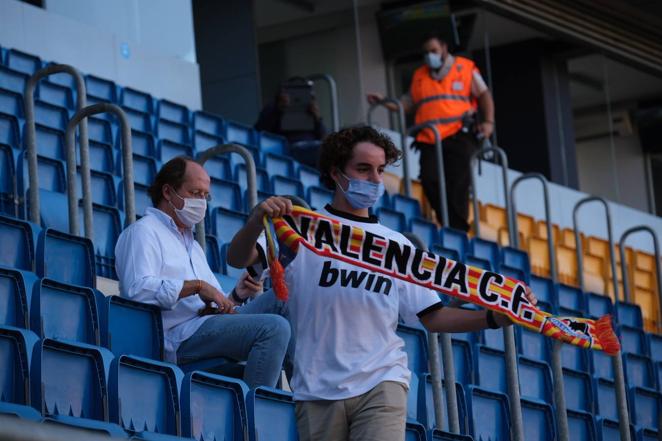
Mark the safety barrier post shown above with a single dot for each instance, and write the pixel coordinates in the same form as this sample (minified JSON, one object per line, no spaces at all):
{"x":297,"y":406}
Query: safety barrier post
{"x":403,"y":136}
{"x":250,"y":177}
{"x":31,"y":137}
{"x":333,"y":92}
{"x":504,"y":178}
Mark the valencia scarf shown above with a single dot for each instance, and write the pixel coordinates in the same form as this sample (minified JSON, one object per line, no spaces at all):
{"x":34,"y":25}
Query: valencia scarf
{"x":331,"y":238}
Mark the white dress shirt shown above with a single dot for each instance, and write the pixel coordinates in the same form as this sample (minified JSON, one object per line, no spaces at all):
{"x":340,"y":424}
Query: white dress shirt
{"x":153,"y":259}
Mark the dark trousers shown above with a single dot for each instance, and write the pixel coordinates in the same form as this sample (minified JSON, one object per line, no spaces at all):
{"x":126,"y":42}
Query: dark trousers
{"x":457,"y":151}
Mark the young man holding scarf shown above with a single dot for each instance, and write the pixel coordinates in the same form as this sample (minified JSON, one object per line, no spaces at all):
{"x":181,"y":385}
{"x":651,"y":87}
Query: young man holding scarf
{"x":350,"y":370}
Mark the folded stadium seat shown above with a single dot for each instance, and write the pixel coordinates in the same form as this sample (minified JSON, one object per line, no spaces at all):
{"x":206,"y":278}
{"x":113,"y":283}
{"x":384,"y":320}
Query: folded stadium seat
{"x":455,"y":240}
{"x":261,"y":196}
{"x":490,"y":369}
{"x":69,"y":385}
{"x":534,"y":345}
{"x":219,"y":167}
{"x":212,"y":251}
{"x":102,"y":157}
{"x":102,"y":185}
{"x":601,"y":365}
{"x":100,"y":130}
{"x":9,"y":131}
{"x":209,"y":123}
{"x":13,"y":80}
{"x":566,"y":265}
{"x":15,"y":297}
{"x":203,"y":141}
{"x":22,"y":62}
{"x":514,"y":273}
{"x":426,"y":405}
{"x":138,"y":120}
{"x":416,"y":347}
{"x":54,"y":212}
{"x":545,"y":290}
{"x":462,"y":359}
{"x":144,"y":168}
{"x":503,"y":238}
{"x":65,"y":258}
{"x":492,"y":338}
{"x":629,"y":314}
{"x":539,"y":256}
{"x":578,"y":387}
{"x":496,"y":217}
{"x":406,"y":205}
{"x":383,"y":202}
{"x":650,"y":305}
{"x":137,"y":100}
{"x":272,"y":143}
{"x":581,"y":425}
{"x":11,"y":103}
{"x":169,"y":149}
{"x":236,"y":160}
{"x":392,"y":219}
{"x":18,"y":238}
{"x":50,"y":142}
{"x":271,"y":415}
{"x":172,"y":131}
{"x":648,"y":435}
{"x":100,"y":88}
{"x":638,"y":371}
{"x":526,"y":226}
{"x":51,"y":173}
{"x":426,"y":231}
{"x":239,"y":133}
{"x":318,"y":197}
{"x":413,"y":398}
{"x":18,"y":347}
{"x":598,"y":305}
{"x":308,"y":176}
{"x":415,"y":431}
{"x":440,"y":435}
{"x":645,"y":408}
{"x":570,"y":297}
{"x":574,"y":357}
{"x":56,"y":94}
{"x":171,"y":111}
{"x":538,"y":421}
{"x":62,"y":79}
{"x":64,"y":312}
{"x":213,"y":407}
{"x":140,"y":192}
{"x":608,"y":430}
{"x":261,"y":176}
{"x":143,"y":398}
{"x":225,"y":194}
{"x":477,"y":262}
{"x":448,"y":253}
{"x":51,"y":116}
{"x":226,"y":223}
{"x":142,"y":143}
{"x":567,"y":238}
{"x":418,"y":193}
{"x":593,"y":274}
{"x":487,"y":250}
{"x":482,"y":402}
{"x":654,"y":347}
{"x":605,"y":398}
{"x":515,"y":258}
{"x":281,"y":185}
{"x":535,"y":378}
{"x":108,"y":222}
{"x":278,"y":164}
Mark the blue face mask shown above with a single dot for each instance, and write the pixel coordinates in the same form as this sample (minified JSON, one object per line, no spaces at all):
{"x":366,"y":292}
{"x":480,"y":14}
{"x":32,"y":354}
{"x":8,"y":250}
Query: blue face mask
{"x":362,"y":194}
{"x":433,"y":60}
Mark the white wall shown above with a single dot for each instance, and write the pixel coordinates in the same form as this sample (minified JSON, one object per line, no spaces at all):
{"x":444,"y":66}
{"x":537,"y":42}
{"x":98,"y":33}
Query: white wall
{"x":145,"y":44}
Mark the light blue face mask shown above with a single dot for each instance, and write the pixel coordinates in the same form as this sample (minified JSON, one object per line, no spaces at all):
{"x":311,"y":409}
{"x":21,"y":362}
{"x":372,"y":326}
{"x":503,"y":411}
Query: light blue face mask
{"x":360,"y":193}
{"x":433,"y":60}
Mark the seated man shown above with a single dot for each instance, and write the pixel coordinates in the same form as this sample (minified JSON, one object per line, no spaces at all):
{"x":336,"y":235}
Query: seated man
{"x":159,"y":262}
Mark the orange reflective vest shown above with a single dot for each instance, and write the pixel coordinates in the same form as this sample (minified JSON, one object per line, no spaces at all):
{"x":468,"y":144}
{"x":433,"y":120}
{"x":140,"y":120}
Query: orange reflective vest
{"x":443,"y":102}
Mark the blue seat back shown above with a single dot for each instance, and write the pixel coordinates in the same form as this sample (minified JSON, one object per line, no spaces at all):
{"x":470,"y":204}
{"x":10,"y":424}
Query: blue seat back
{"x":538,"y":419}
{"x":282,"y":186}
{"x":605,"y":399}
{"x":212,"y":251}
{"x":101,"y":88}
{"x":574,"y":357}
{"x":50,"y":142}
{"x":490,"y":369}
{"x":463,"y":361}
{"x":534,"y":345}
{"x":578,"y":388}
{"x":427,"y":231}
{"x":487,"y":250}
{"x":392,"y":219}
{"x":137,"y":100}
{"x":427,"y":414}
{"x":11,"y":103}
{"x":173,"y":112}
{"x":213,"y":407}
{"x":535,"y":380}
{"x":17,"y":347}
{"x":12,"y":79}
{"x":477,"y":262}
{"x":514,"y":273}
{"x":516,"y":258}
{"x":629,"y":314}
{"x":655,"y":347}
{"x":172,"y":131}
{"x":633,"y":340}
{"x":638,"y":371}
{"x":271,"y":143}
{"x":170,"y":149}
{"x":227,"y":223}
{"x":15,"y":297}
{"x":139,"y":120}
{"x":448,"y":253}
{"x":545,"y":290}
{"x":261,"y":175}
{"x":278,"y":165}
{"x":492,"y":338}
{"x":601,"y":364}
{"x":132,"y":328}
{"x":100,"y":130}
{"x":571,"y":297}
{"x":51,"y":174}
{"x":56,"y":94}
{"x":142,"y":143}
{"x":455,"y":240}
{"x":7,"y":179}
{"x":22,"y":62}
{"x":50,"y":115}
{"x":415,"y":346}
{"x":219,"y":167}
{"x":609,"y":430}
{"x":645,"y":407}
{"x":271,"y":415}
{"x":17,"y":238}
{"x":208,"y":123}
{"x":581,"y":425}
{"x":598,"y":305}
{"x":414,"y":432}
{"x":488,"y":415}
{"x":9,"y":131}
{"x":144,"y":168}
{"x":239,"y":133}
{"x":439,"y":435}
{"x":102,"y":186}
{"x":102,"y":157}
{"x":142,"y":198}
{"x":203,"y":141}
{"x":406,"y":205}
{"x":308,"y":176}
{"x":318,"y":197}
{"x":225,"y":194}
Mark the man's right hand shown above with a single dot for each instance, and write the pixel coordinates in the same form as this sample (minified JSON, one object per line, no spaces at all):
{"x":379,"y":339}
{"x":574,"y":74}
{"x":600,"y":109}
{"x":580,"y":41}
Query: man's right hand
{"x":374,"y":98}
{"x":275,"y":206}
{"x":209,"y":294}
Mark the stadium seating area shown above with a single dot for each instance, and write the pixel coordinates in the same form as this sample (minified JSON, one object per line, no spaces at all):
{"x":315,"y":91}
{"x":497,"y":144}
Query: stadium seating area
{"x":72,"y":356}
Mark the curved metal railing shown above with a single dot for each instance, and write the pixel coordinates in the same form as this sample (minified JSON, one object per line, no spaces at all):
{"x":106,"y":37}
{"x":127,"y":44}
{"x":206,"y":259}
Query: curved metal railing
{"x":333,"y":92}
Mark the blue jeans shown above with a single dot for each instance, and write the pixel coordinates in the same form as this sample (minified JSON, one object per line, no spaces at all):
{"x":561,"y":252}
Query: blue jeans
{"x":259,"y":339}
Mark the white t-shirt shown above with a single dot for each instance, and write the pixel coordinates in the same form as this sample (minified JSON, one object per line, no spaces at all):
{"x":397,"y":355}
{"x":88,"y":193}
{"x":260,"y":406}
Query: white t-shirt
{"x":344,"y":319}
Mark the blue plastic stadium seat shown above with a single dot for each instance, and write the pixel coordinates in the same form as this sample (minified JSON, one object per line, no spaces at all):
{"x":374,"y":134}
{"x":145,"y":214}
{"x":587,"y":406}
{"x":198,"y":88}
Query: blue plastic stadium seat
{"x":15,"y":297}
{"x":574,"y":357}
{"x":462,"y":360}
{"x":477,"y":262}
{"x":648,"y":435}
{"x":70,"y":383}
{"x":9,"y":131}
{"x":538,"y":419}
{"x":391,"y":219}
{"x":226,"y":223}
{"x":225,"y":194}
{"x":13,"y":80}
{"x":534,"y":345}
{"x":413,"y":398}
{"x":608,"y":430}
{"x":169,"y":149}
{"x":132,"y":328}
{"x":406,"y":205}
{"x":18,"y":243}
{"x":213,"y":407}
{"x":142,"y":143}
{"x":272,"y":143}
{"x":383,"y":202}
{"x":65,"y":258}
{"x":578,"y":388}
{"x":144,"y":168}
{"x":581,"y":425}
{"x":102,"y":157}
{"x":448,"y":253}
{"x":426,"y":405}
{"x":426,"y":231}
{"x":515,"y":273}
{"x":545,"y":290}
{"x":633,"y":340}
{"x":271,"y":415}
{"x":309,"y":177}
{"x":239,"y":133}
{"x":492,"y":338}
{"x":261,"y":175}
{"x":278,"y":165}
{"x":482,"y":402}
{"x":17,"y":350}
{"x":107,"y":228}
{"x":173,"y":112}
{"x":212,"y":251}
{"x":102,"y":185}
{"x":51,"y":174}
{"x":203,"y":141}
{"x":535,"y":380}
{"x":654,"y":343}
{"x":282,"y":185}
{"x":415,"y":346}
{"x":439,"y":435}
{"x":208,"y":123}
{"x":142,"y":198}
{"x":100,"y":130}
{"x":50,"y":142}
{"x":219,"y":167}
{"x":137,"y":100}
{"x":415,"y":431}
{"x":52,"y":116}
{"x":140,"y":121}
{"x":571,"y":298}
{"x":629,"y":314}
{"x":455,"y":240}
{"x":598,"y":305}
{"x":601,"y":364}
{"x":56,"y":94}
{"x":490,"y":369}
{"x":172,"y":131}
{"x":516,"y":258}
{"x":645,"y":407}
{"x":22,"y":62}
{"x":63,"y":79}
{"x":605,"y":398}
{"x":318,"y":197}
{"x":144,"y":397}
{"x":487,"y":250}
{"x":639,"y":371}
{"x":100,"y":88}
{"x":11,"y":103}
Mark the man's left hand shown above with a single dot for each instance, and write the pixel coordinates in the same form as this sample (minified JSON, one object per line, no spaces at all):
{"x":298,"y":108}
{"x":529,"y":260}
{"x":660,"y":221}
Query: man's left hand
{"x":486,"y":128}
{"x":503,"y":320}
{"x":247,"y":287}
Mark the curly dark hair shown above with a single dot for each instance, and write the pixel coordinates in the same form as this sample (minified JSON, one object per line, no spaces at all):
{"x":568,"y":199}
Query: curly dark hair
{"x":172,"y":173}
{"x":337,"y":149}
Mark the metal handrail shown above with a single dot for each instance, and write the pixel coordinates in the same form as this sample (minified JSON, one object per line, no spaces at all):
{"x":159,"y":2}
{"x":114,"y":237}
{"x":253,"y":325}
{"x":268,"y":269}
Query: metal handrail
{"x":578,"y":246}
{"x":30,"y":130}
{"x":557,"y":367}
{"x":504,"y":177}
{"x":656,"y":249}
{"x":439,"y":156}
{"x":333,"y":92}
{"x":403,"y":135}
{"x":127,"y":158}
{"x":250,"y":177}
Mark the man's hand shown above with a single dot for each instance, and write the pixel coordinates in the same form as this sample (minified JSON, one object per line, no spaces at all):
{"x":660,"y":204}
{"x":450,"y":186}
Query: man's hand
{"x":211,"y":295}
{"x":275,"y":206}
{"x":247,"y":286}
{"x":503,"y":320}
{"x":374,"y":98}
{"x":486,"y":128}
